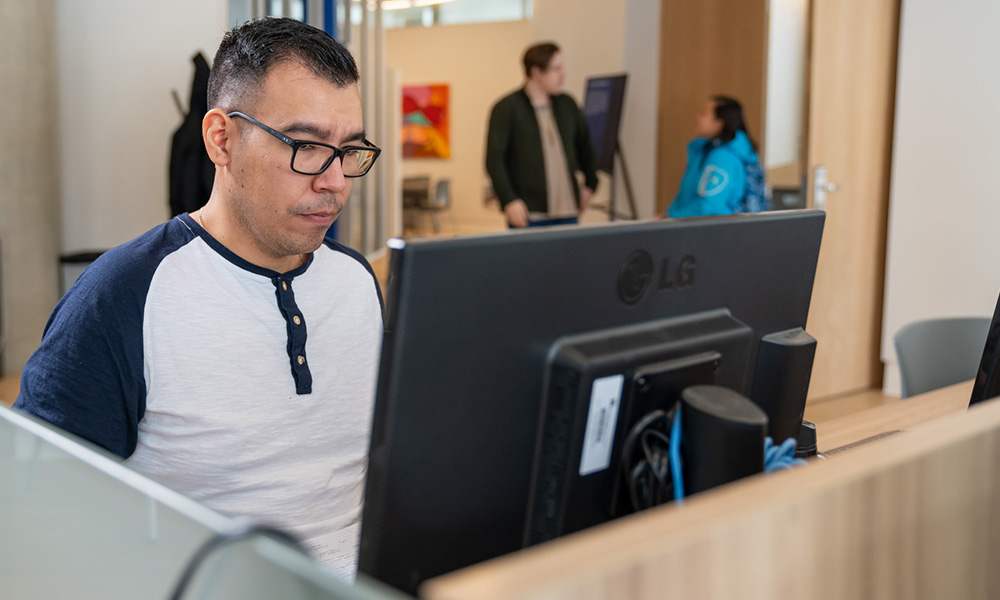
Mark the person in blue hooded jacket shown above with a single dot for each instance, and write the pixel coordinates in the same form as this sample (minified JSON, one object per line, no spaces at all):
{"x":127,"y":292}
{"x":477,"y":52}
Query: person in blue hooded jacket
{"x":715,"y":179}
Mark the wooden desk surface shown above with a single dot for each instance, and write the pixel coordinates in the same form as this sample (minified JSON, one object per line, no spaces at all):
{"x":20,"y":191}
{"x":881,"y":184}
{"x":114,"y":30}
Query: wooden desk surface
{"x":857,"y":428}
{"x":887,"y":518}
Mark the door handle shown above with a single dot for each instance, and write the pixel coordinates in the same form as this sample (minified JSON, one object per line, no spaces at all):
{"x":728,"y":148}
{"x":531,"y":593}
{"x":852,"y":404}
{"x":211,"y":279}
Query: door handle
{"x":822,"y":186}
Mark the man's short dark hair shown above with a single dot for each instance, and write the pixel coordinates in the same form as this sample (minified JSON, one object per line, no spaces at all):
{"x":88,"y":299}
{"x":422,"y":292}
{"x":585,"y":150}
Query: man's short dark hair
{"x":539,"y":55}
{"x":248,"y":52}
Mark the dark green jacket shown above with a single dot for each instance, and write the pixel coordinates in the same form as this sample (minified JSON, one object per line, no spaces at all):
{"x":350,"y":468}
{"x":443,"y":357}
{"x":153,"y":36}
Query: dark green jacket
{"x":514,"y":149}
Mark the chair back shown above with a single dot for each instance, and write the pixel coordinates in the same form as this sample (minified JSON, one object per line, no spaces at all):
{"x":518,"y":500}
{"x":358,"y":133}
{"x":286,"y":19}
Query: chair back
{"x":935,"y":353}
{"x":416,"y":191}
{"x":442,"y":194}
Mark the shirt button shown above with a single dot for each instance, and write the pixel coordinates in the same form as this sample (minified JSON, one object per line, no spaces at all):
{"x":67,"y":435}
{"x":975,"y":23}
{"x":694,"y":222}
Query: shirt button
{"x":284,"y":286}
{"x":301,"y":360}
{"x":297,"y":320}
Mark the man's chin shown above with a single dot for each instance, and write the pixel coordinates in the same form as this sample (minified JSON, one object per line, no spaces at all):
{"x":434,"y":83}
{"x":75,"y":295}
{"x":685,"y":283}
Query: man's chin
{"x":300,"y":245}
{"x":313,"y":244}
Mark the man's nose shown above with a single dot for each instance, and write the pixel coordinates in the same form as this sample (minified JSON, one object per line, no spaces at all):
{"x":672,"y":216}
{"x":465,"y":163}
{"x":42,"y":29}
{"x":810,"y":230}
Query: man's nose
{"x":332,"y":179}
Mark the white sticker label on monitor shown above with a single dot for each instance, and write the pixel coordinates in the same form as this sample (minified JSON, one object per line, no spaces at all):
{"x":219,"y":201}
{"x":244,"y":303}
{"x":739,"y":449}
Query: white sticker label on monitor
{"x":602,"y":420}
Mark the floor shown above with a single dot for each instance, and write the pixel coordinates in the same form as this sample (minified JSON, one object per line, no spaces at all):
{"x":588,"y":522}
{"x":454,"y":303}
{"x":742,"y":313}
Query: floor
{"x":9,"y":385}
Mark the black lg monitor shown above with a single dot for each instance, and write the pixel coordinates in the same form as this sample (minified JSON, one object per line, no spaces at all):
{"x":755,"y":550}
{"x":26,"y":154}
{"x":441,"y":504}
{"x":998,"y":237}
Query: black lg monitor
{"x":498,"y":347}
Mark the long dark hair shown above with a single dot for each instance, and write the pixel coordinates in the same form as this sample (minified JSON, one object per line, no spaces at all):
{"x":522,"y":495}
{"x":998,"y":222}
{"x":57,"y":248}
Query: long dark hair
{"x":730,"y":112}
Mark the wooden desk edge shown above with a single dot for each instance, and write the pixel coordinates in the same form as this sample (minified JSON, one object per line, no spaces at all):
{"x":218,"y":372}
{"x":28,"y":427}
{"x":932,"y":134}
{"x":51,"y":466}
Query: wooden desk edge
{"x":617,"y":545}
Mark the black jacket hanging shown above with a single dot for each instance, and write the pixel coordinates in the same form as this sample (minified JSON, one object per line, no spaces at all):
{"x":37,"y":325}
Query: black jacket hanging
{"x":191,"y":173}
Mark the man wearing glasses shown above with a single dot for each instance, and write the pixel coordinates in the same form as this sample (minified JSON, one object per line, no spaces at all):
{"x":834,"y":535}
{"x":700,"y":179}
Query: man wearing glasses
{"x":231,"y":354}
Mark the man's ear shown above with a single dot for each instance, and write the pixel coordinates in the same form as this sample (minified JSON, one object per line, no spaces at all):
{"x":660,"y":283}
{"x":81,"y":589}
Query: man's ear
{"x":218,"y":131}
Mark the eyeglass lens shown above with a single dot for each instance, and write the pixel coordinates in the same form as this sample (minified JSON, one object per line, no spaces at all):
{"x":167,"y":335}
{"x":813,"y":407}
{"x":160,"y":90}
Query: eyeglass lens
{"x":312,"y":159}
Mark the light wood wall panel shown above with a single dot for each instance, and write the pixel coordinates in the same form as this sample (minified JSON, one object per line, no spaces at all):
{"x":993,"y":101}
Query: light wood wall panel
{"x":29,"y":175}
{"x":852,"y":94}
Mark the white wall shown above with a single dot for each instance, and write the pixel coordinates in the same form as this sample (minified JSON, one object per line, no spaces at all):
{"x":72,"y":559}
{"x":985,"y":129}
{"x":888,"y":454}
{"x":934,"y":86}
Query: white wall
{"x":591,"y":34}
{"x":117,"y":62}
{"x":786,"y":57}
{"x":944,"y":213}
{"x":639,"y":118}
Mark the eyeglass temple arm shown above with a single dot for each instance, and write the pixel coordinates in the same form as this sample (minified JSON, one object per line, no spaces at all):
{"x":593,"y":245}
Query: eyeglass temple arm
{"x":284,"y":138}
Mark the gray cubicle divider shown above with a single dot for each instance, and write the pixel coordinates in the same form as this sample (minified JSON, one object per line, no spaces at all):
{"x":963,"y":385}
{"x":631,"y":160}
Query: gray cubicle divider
{"x":76,"y":523}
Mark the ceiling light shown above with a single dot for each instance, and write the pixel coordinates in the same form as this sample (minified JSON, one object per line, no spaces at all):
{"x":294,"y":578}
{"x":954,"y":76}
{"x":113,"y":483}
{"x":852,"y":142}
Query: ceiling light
{"x":398,"y":4}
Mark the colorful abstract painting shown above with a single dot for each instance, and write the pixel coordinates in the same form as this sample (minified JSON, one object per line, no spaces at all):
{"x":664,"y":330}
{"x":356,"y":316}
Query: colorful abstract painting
{"x":425,"y":121}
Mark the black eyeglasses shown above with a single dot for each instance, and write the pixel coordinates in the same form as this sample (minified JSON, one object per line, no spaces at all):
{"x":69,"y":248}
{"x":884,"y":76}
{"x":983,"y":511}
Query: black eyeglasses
{"x":312,"y":158}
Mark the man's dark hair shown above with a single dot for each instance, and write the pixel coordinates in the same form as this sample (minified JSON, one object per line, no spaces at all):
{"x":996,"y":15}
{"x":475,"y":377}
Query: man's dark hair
{"x":248,"y":52}
{"x":539,"y":55}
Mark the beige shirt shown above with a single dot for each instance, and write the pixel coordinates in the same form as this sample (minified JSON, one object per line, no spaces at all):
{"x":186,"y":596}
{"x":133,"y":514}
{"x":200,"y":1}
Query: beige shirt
{"x":561,"y":201}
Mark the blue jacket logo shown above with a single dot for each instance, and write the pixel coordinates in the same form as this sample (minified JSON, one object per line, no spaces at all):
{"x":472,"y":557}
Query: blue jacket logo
{"x":713,"y":181}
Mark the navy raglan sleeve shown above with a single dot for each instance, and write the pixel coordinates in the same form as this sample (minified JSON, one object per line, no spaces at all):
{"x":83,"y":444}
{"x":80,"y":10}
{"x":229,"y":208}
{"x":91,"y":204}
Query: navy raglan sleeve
{"x":87,"y":376}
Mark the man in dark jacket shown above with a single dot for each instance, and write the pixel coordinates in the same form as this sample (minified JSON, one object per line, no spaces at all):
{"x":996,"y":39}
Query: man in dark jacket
{"x":538,"y":140}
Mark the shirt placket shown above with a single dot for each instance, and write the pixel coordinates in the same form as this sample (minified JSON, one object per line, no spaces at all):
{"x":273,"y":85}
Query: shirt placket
{"x":296,"y":329}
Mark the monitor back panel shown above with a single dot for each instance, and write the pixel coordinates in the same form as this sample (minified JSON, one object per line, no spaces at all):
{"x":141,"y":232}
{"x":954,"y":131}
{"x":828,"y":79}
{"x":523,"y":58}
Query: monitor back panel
{"x":470,"y":323}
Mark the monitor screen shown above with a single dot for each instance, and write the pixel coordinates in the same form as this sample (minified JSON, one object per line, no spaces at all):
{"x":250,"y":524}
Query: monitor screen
{"x":987,"y":383}
{"x":485,"y":334}
{"x":602,"y":109}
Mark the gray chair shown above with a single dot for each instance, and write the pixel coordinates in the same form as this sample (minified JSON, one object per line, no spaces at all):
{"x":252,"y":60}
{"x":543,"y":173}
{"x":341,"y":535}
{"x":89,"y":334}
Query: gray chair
{"x":417,"y":198}
{"x":440,"y":201}
{"x":936,"y":353}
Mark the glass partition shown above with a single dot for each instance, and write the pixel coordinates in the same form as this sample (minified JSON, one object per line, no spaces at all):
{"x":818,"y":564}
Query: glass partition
{"x":76,"y":523}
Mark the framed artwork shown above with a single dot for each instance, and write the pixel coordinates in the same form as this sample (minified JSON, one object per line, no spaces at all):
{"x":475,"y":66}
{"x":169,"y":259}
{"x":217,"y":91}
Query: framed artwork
{"x":425,"y":121}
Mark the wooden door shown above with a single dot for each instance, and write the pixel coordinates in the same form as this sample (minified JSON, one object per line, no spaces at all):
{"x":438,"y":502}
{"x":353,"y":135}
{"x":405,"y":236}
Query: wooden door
{"x":852,"y":75}
{"x":707,"y":47}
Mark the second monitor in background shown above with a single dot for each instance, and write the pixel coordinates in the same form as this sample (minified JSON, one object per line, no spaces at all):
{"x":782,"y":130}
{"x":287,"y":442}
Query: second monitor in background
{"x":602,"y":110}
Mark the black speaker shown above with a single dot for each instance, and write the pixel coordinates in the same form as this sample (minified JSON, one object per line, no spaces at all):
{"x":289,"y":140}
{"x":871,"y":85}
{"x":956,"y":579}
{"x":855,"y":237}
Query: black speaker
{"x":722,"y":437}
{"x":781,"y":380}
